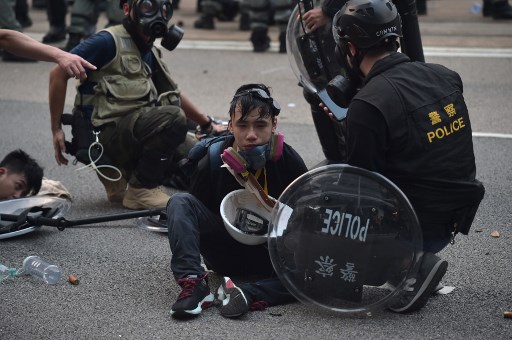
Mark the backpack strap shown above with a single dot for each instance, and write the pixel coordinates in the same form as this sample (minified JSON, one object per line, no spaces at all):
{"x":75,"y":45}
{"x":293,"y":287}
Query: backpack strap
{"x":214,"y":152}
{"x":211,"y":146}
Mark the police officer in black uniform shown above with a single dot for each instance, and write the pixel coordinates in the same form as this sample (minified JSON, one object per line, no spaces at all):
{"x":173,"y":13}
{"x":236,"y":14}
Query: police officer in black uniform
{"x":409,"y":122}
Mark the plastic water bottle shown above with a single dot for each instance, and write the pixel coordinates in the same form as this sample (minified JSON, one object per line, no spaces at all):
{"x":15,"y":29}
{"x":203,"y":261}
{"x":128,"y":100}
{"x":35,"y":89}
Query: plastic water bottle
{"x":476,"y":8}
{"x":42,"y":269}
{"x":6,"y":272}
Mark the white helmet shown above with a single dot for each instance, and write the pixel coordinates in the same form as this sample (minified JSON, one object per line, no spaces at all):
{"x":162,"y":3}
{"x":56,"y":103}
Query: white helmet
{"x":245,"y":218}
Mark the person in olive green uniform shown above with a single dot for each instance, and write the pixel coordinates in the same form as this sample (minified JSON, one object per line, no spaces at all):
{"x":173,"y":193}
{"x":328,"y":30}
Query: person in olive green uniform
{"x":132,"y":101}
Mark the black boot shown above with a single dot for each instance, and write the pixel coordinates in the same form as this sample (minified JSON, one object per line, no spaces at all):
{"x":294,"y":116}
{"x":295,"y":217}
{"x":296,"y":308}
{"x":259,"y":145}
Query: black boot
{"x":260,"y":40}
{"x":55,"y":34}
{"x":205,"y":22}
{"x":501,"y":10}
{"x":74,"y":40}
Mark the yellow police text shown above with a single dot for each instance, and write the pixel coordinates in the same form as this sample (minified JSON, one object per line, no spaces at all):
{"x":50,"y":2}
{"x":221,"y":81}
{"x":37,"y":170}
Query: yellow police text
{"x":446,"y":130}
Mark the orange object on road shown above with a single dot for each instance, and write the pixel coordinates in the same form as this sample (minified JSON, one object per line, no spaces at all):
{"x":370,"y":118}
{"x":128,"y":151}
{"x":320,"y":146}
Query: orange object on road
{"x":73,"y":280}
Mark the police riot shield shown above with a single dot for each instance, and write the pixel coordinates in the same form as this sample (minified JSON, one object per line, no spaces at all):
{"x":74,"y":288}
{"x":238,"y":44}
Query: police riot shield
{"x":345,"y":239}
{"x":28,"y":207}
{"x":311,"y":55}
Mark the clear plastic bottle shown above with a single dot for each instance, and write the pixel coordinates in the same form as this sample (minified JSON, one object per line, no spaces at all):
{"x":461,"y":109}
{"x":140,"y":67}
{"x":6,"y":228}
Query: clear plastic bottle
{"x":476,"y":8}
{"x":6,"y":272}
{"x":42,"y":269}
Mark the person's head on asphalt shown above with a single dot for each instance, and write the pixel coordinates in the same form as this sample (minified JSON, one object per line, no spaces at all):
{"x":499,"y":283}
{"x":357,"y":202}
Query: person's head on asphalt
{"x":20,"y":175}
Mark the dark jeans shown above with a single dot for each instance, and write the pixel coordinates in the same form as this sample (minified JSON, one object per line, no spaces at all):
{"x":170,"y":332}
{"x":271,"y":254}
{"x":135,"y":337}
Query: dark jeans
{"x":194,"y":230}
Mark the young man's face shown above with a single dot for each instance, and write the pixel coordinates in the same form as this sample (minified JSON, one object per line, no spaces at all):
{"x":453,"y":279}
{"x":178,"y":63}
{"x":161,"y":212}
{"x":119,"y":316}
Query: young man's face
{"x":252,"y":131}
{"x":12,"y":185}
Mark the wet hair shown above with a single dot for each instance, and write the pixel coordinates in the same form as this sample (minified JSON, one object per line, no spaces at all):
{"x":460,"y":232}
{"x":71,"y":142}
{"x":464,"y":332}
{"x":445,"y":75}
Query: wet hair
{"x":388,"y":45}
{"x":249,"y":101}
{"x":19,"y":162}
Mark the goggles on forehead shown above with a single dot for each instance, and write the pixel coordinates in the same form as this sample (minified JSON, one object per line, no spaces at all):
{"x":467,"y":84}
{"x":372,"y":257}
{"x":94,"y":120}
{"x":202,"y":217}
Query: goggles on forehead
{"x":262,"y":95}
{"x":148,"y":8}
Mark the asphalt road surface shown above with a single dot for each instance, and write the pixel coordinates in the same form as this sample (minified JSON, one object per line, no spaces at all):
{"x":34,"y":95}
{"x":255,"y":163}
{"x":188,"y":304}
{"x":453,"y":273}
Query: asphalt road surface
{"x":126,"y":288}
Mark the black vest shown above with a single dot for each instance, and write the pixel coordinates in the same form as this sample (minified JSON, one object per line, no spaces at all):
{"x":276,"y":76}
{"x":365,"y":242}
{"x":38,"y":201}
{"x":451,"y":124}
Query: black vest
{"x":431,"y":154}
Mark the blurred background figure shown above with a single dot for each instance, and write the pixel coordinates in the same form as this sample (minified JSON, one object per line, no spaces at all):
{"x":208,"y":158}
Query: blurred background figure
{"x":223,"y":10}
{"x":84,"y":17}
{"x":261,"y":14}
{"x":39,"y":4}
{"x":56,"y":11}
{"x":497,"y":9}
{"x":21,"y":11}
{"x":8,"y":17}
{"x":8,"y":20}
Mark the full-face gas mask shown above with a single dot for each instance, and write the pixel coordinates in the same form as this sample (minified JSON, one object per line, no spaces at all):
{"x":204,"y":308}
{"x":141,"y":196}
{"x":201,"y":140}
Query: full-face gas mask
{"x":151,"y":18}
{"x":343,"y":88}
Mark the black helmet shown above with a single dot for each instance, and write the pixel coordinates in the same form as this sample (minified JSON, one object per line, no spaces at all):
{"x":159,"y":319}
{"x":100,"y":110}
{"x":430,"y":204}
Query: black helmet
{"x":367,"y":22}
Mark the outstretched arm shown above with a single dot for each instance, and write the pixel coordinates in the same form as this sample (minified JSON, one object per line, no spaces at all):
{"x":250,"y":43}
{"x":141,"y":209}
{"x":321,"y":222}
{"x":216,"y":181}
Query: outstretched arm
{"x":57,"y":96}
{"x":24,"y":46}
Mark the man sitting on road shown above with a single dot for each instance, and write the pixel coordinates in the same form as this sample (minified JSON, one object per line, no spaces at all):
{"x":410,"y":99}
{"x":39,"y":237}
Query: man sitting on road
{"x":196,"y":227}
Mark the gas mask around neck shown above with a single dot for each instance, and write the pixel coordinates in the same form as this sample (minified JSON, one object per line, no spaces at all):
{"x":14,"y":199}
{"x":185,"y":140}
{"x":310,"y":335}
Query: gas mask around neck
{"x":256,"y":157}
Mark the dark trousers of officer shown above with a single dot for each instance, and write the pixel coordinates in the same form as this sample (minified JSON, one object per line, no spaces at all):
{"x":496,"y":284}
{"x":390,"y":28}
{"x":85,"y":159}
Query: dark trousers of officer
{"x":141,"y":142}
{"x":436,"y":228}
{"x":194,"y":230}
{"x":56,"y":11}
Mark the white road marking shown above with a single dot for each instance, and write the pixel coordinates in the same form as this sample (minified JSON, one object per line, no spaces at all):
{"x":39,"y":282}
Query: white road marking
{"x":220,"y":45}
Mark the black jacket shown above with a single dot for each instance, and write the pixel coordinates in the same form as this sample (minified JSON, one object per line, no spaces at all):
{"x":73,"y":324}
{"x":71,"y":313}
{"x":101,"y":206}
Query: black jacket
{"x":211,"y":186}
{"x":410,"y":123}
